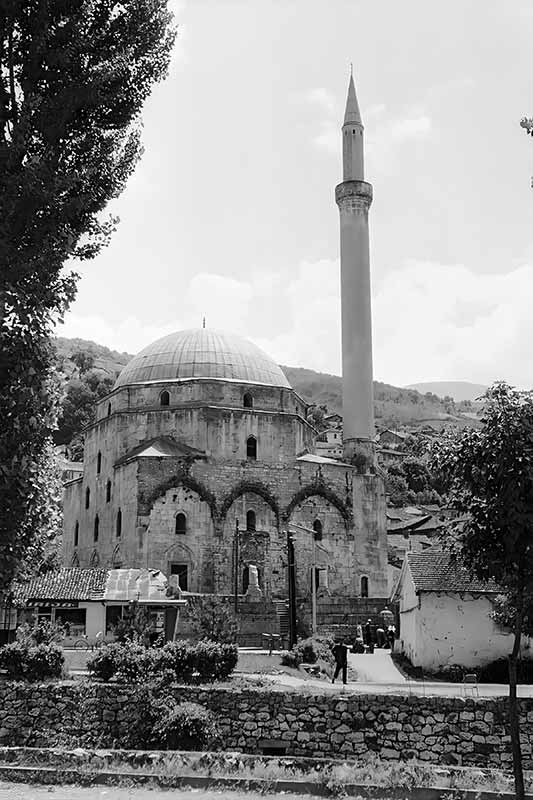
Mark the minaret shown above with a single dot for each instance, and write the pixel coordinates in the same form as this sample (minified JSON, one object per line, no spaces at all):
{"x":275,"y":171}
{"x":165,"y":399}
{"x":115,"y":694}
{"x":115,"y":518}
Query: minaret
{"x":354,"y":196}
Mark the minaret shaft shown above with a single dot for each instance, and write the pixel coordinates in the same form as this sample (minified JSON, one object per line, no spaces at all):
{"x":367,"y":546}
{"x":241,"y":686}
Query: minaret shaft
{"x":354,"y":197}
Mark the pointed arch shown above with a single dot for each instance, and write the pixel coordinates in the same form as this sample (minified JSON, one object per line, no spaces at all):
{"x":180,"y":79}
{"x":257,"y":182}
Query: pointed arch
{"x":248,"y":400}
{"x":74,"y":561}
{"x":318,"y":529}
{"x":181,"y":524}
{"x":96,"y":528}
{"x":249,"y":487}
{"x":187,"y":482}
{"x":321,"y":490}
{"x":99,"y":463}
{"x":95,"y":559}
{"x":87,"y":497}
{"x":164,"y":398}
{"x":76,"y":533}
{"x":116,"y":557}
{"x":108,"y":492}
{"x":118,"y":525}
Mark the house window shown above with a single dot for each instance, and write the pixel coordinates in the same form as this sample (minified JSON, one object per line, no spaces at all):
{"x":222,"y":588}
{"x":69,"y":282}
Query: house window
{"x":98,"y":463}
{"x":181,"y":523}
{"x":87,"y":497}
{"x":251,"y":448}
{"x":119,"y":524}
{"x":317,"y":527}
{"x":364,"y":586}
{"x":182,"y":571}
{"x":108,"y":492}
{"x":164,"y":398}
{"x":96,"y":529}
{"x":76,"y":533}
{"x":250,"y":520}
{"x":248,"y":400}
{"x":113,"y":615}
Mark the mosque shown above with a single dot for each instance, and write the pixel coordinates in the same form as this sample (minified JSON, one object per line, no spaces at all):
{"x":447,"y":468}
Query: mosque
{"x":201,"y":458}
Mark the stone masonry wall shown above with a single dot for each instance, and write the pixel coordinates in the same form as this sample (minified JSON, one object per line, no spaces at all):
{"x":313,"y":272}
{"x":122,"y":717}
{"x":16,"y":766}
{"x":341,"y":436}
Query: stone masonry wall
{"x":466,"y":731}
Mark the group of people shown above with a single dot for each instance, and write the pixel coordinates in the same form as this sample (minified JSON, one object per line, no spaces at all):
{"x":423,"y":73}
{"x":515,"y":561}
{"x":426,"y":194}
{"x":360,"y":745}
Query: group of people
{"x":368,"y":636}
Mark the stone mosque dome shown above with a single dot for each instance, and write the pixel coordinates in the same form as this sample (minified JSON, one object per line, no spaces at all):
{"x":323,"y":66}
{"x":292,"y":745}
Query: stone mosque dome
{"x":202,"y":353}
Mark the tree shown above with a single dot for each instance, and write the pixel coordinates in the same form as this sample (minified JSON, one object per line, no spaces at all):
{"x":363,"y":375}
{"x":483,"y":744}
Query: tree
{"x":212,"y":619}
{"x":74,"y":75}
{"x":490,"y":473}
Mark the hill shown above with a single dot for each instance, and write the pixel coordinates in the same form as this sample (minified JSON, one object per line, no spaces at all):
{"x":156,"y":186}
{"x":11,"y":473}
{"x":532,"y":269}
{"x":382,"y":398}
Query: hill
{"x":393,"y":405}
{"x":458,"y":390}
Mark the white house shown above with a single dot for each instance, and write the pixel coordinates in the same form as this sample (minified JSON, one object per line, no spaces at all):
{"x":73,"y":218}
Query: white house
{"x":444,"y":614}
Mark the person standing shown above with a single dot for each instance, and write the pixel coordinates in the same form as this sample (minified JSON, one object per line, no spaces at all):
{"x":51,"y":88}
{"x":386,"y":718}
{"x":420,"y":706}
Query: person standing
{"x":340,"y":652}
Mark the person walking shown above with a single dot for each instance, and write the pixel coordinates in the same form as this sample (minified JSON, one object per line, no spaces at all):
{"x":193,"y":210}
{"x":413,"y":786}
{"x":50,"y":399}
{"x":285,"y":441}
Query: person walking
{"x":340,"y":653}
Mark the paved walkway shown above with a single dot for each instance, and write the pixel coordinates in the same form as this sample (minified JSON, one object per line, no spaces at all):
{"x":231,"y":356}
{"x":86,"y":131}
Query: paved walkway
{"x":377,"y":667}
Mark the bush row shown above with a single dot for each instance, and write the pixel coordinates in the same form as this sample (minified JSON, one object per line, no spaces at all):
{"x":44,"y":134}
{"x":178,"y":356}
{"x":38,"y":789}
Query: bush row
{"x":132,"y":662}
{"x":31,"y":662}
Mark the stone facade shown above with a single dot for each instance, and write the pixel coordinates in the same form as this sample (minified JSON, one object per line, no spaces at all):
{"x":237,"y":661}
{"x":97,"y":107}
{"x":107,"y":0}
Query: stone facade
{"x":437,"y":730}
{"x":124,"y":510}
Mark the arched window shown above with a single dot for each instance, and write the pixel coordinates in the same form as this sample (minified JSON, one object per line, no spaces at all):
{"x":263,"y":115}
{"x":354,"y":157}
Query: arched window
{"x":98,"y":463}
{"x":76,"y":533}
{"x":248,"y":400}
{"x":251,"y":448}
{"x":245,"y":579}
{"x":109,"y":409}
{"x":317,"y":527}
{"x":108,"y":491}
{"x":118,"y":529}
{"x":250,"y":520}
{"x":96,"y":530}
{"x":164,"y":398}
{"x":87,"y":497}
{"x":181,"y":523}
{"x":364,"y":586}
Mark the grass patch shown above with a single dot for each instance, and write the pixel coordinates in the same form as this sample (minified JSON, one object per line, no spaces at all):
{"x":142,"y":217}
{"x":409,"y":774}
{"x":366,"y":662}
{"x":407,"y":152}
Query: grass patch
{"x":333,"y":774}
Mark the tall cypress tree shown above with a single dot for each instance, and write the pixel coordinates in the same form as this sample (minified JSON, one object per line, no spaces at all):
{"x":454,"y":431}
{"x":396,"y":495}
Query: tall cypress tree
{"x":74,"y":75}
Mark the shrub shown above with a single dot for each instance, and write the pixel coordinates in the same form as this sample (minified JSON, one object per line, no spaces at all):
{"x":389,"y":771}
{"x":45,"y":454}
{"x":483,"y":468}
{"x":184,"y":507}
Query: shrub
{"x":41,"y":632}
{"x":291,"y":658}
{"x":314,"y":649}
{"x":214,"y":662}
{"x":132,"y":662}
{"x":185,"y":726}
{"x":32,"y":663}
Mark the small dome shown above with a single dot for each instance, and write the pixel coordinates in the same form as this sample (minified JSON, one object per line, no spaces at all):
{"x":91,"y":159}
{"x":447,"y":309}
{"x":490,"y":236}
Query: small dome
{"x":202,"y":353}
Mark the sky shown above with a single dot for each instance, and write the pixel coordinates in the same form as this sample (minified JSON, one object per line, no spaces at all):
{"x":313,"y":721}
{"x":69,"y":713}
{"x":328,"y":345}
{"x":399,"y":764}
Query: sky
{"x":231,"y":213}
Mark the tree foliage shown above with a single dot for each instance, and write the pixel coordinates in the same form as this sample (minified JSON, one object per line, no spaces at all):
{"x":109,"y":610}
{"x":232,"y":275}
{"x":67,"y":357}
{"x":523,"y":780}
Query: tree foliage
{"x":490,"y":474}
{"x":73,"y":77}
{"x":212,"y":619}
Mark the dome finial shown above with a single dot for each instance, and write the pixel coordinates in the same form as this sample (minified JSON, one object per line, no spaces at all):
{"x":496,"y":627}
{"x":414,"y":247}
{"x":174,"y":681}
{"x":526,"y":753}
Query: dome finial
{"x":203,"y":323}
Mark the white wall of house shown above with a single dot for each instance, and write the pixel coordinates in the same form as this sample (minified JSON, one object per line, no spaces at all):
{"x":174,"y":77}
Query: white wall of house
{"x":451,"y":629}
{"x":408,"y":614}
{"x":95,"y":617}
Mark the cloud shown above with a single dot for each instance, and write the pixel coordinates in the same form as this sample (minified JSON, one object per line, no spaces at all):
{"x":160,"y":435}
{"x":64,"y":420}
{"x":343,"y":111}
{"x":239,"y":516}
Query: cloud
{"x":410,"y":128}
{"x":430,"y":321}
{"x":322,"y":98}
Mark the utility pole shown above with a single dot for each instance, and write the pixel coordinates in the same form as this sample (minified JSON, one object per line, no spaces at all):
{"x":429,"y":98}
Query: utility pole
{"x":292,"y":590}
{"x":236,"y":573}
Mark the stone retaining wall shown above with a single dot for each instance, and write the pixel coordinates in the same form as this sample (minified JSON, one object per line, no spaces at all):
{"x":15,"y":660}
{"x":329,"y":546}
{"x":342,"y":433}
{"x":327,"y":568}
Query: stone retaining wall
{"x":440,"y":730}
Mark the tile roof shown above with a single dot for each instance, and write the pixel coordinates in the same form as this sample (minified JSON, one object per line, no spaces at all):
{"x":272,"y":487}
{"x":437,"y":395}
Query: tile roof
{"x":75,"y":583}
{"x":66,"y":584}
{"x":436,"y":570}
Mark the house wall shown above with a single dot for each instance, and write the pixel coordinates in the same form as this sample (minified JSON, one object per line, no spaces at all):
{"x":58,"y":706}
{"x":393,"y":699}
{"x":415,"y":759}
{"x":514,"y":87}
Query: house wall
{"x":95,"y":618}
{"x":457,"y":629}
{"x":408,"y":615}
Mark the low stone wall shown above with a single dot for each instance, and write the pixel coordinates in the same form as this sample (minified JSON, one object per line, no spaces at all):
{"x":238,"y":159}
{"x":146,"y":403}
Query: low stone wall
{"x":440,"y":730}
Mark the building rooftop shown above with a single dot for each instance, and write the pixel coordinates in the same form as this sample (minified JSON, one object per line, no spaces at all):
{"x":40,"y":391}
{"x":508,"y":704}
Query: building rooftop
{"x":436,"y":570}
{"x":202,"y":353}
{"x":74,"y":583}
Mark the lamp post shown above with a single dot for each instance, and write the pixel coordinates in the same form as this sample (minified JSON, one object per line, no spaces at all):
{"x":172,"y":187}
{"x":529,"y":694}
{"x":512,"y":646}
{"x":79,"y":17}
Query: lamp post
{"x":236,"y":574}
{"x":313,"y":573}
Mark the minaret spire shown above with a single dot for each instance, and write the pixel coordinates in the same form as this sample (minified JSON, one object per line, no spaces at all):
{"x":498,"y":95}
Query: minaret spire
{"x":352,"y":138}
{"x":354,"y":196}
